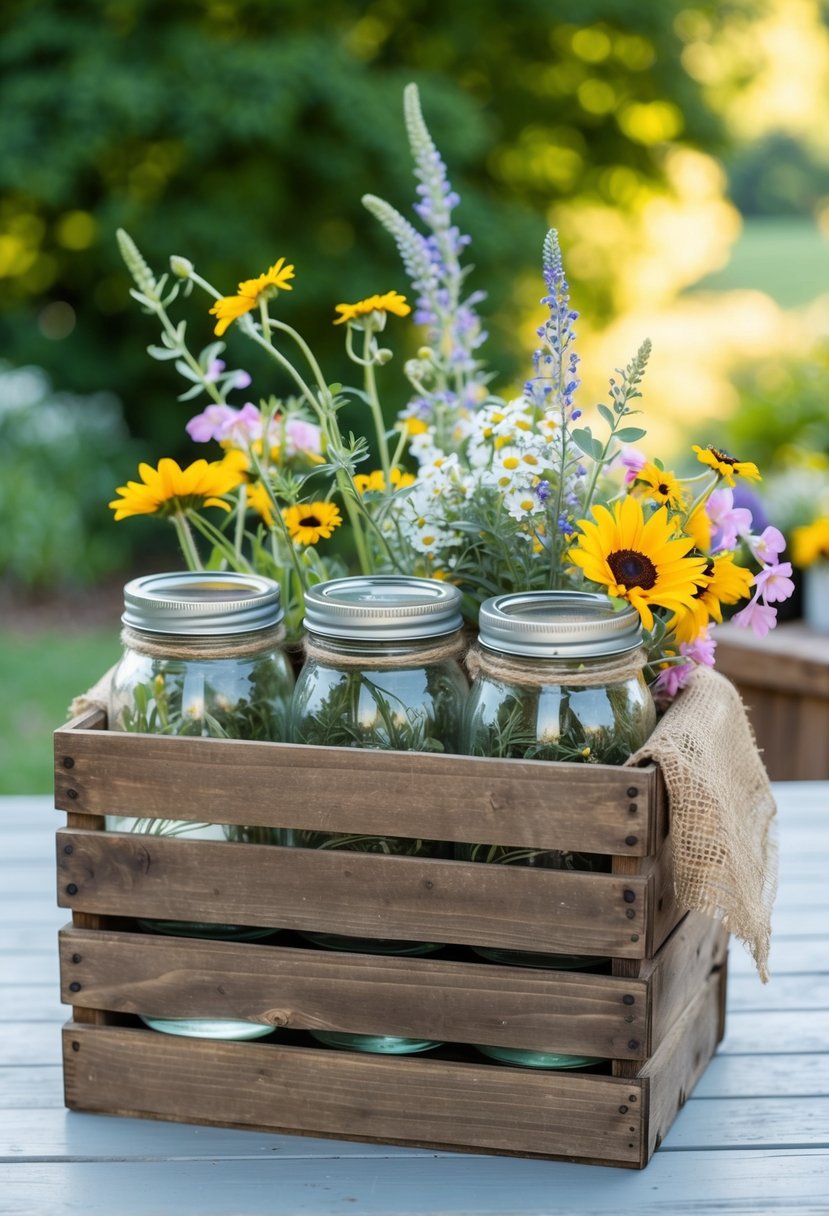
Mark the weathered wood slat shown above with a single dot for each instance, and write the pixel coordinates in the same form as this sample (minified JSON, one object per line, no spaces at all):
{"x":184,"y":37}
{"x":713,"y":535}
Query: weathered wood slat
{"x":697,"y":949}
{"x":422,"y":1101}
{"x":594,"y":1015}
{"x":671,"y":1073}
{"x":381,"y":1182}
{"x":368,"y":895}
{"x":438,"y":797}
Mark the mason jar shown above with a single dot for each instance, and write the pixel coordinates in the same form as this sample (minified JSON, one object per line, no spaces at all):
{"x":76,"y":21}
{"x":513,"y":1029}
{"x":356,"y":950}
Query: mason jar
{"x":559,"y":677}
{"x":381,"y":671}
{"x":202,"y":656}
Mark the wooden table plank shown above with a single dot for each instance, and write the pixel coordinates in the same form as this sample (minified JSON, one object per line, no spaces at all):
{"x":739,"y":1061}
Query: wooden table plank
{"x":753,"y":1139}
{"x":674,"y":1184}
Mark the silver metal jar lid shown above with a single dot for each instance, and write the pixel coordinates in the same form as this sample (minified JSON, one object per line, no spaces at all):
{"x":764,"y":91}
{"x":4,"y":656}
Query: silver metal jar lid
{"x":383,"y":608}
{"x":202,"y":603}
{"x":558,"y":625}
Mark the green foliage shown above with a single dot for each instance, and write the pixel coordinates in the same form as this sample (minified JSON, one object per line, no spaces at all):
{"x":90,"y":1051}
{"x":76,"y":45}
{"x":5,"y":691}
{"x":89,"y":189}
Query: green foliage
{"x":40,"y":673}
{"x":241,"y":132}
{"x":60,"y":458}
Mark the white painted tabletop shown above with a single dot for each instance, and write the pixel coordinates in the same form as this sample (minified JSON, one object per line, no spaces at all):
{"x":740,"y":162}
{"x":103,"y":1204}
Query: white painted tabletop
{"x":753,"y":1138}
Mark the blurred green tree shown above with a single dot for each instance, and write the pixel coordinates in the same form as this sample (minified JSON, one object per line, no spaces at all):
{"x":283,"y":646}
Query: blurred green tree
{"x":237,"y":132}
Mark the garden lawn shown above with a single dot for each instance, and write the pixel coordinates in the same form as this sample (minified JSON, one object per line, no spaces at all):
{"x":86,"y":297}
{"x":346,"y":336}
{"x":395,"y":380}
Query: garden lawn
{"x":40,"y":673}
{"x":785,"y":257}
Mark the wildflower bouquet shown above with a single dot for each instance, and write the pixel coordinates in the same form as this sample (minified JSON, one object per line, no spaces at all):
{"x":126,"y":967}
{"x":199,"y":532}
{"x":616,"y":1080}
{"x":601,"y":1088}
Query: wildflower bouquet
{"x":495,"y":493}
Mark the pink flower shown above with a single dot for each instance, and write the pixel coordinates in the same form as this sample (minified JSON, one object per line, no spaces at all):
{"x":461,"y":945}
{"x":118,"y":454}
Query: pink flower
{"x":729,"y":522}
{"x":757,"y":616}
{"x":302,"y":437}
{"x":209,"y":425}
{"x":242,"y":427}
{"x":768,"y":546}
{"x":701,"y":650}
{"x":634,"y":461}
{"x":671,"y":679}
{"x":774,"y":582}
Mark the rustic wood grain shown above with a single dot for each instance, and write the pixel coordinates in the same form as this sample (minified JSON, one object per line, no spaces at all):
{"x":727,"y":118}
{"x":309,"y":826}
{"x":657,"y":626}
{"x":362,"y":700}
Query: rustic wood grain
{"x":576,"y":1013}
{"x":369,"y":895}
{"x":424,"y":1101}
{"x":671,"y":1073}
{"x":783,"y":680}
{"x":438,"y":797}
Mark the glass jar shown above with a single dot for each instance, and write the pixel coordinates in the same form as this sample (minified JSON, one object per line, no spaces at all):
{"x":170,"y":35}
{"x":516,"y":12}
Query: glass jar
{"x":202,"y":656}
{"x":560,"y":678}
{"x":381,"y":671}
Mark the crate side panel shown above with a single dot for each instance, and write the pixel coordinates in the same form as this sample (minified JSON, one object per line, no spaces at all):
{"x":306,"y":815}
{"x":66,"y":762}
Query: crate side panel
{"x":367,"y":895}
{"x":588,"y":1014}
{"x":386,"y":1098}
{"x":439,"y":797}
{"x":677,"y":1064}
{"x":695,"y":950}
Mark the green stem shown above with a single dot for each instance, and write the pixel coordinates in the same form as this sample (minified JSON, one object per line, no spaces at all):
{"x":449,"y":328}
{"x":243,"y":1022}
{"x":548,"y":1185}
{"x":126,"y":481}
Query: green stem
{"x":220,"y":541}
{"x":376,"y":409}
{"x":186,"y":541}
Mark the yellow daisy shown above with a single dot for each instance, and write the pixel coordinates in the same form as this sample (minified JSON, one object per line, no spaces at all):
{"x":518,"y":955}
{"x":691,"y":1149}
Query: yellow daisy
{"x":259,"y":500}
{"x":392,"y":301}
{"x":810,"y":543}
{"x":725,"y":583}
{"x":727,"y":466}
{"x":230,"y":308}
{"x":308,"y":522}
{"x":171,"y":490}
{"x":637,"y":559}
{"x":664,"y":487}
{"x":376,"y":480}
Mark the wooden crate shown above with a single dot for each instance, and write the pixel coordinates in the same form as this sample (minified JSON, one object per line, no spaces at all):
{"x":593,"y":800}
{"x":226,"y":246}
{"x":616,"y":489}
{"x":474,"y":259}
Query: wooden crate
{"x":655,"y":1013}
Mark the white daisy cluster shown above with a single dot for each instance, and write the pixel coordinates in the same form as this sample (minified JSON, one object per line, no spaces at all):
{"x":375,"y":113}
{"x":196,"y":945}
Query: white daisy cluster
{"x":504,"y":457}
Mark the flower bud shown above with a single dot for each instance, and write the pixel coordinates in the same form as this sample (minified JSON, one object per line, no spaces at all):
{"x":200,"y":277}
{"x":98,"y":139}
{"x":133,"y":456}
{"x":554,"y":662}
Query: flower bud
{"x":382,"y":355}
{"x":182,"y":267}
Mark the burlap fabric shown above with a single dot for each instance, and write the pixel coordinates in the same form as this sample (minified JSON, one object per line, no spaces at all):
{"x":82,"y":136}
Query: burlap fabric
{"x":722,"y":809}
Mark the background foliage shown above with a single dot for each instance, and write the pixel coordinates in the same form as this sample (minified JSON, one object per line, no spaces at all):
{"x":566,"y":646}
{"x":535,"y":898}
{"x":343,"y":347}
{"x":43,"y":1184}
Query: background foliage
{"x":237,"y":132}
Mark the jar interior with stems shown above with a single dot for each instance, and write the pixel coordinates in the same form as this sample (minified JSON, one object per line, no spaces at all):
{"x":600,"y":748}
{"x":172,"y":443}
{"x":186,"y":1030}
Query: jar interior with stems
{"x":560,"y":680}
{"x":202,"y":658}
{"x":377,"y":696}
{"x":381,"y":671}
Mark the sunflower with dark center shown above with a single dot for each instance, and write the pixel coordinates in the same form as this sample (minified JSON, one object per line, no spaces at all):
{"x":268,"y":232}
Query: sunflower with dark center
{"x":639,"y":559}
{"x":310,"y":522}
{"x":726,"y":466}
{"x":659,"y":484}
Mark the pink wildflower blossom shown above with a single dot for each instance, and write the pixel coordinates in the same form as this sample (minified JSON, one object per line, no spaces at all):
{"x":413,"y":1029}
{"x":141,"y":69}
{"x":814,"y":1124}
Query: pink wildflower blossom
{"x":209,"y":424}
{"x":757,"y":616}
{"x":634,"y":461}
{"x":775,"y":582}
{"x":768,"y":546}
{"x":729,"y":522}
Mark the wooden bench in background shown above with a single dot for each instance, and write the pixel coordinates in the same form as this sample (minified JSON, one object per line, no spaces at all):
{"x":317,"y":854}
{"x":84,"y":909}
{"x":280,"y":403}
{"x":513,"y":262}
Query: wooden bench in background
{"x":783,"y":679}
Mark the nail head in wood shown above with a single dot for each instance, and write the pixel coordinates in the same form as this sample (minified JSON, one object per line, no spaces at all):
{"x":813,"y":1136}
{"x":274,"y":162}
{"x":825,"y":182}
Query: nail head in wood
{"x":630,"y":897}
{"x":627,"y":999}
{"x":72,"y":794}
{"x":67,"y":848}
{"x":632,"y":791}
{"x":631,"y":840}
{"x":72,"y":889}
{"x":68,"y":762}
{"x":74,"y":986}
{"x":76,"y":958}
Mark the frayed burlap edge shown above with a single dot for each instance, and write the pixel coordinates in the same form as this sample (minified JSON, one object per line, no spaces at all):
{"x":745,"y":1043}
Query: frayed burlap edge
{"x":722,"y":810}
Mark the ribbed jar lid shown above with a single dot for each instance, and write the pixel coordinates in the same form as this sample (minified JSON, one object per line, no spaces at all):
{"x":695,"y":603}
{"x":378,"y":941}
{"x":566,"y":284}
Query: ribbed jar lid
{"x":558,"y":625}
{"x":202,"y":603}
{"x":382,"y":608}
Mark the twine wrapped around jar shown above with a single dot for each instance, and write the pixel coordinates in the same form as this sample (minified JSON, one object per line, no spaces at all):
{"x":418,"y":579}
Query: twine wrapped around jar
{"x":234,"y":646}
{"x":441,"y":650}
{"x":533,"y":673}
